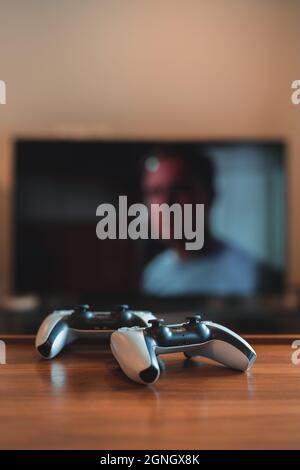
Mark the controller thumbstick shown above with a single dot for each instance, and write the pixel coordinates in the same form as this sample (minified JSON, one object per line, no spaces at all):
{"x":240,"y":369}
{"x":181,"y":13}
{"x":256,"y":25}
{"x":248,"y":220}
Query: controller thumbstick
{"x":121,"y":308}
{"x":193,"y":319}
{"x":83,"y":307}
{"x":156,"y":322}
{"x":83,"y":311}
{"x":194,"y":323}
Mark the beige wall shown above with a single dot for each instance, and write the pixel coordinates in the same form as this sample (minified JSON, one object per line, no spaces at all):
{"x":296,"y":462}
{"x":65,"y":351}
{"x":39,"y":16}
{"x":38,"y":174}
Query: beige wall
{"x":201,"y":68}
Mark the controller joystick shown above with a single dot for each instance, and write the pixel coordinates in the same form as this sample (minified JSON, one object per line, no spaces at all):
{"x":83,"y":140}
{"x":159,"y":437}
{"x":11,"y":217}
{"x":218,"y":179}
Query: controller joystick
{"x":64,"y":326}
{"x":83,"y":312}
{"x":82,"y":308}
{"x":156,"y":323}
{"x":122,"y":312}
{"x":121,"y":308}
{"x":137,"y":349}
{"x":200,"y":329}
{"x":193,"y":319}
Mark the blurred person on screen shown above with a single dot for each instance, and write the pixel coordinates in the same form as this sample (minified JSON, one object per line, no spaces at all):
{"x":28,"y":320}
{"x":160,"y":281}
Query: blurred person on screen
{"x":180,"y":174}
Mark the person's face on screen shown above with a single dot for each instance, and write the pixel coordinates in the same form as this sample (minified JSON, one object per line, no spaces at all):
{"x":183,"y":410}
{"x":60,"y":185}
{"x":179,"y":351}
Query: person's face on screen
{"x":168,"y":180}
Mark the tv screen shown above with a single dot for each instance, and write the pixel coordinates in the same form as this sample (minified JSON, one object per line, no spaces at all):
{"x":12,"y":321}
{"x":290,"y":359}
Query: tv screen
{"x":69,"y":240}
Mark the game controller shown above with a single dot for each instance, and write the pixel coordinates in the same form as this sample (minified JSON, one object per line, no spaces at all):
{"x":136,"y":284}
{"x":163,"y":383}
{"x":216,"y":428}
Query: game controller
{"x":62,"y":327}
{"x":136,"y":349}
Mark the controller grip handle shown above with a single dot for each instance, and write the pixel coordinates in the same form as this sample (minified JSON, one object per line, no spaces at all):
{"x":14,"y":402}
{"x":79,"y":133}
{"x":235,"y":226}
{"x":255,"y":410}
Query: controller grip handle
{"x":224,"y":353}
{"x":52,"y":336}
{"x":135,"y":355}
{"x":225,"y":347}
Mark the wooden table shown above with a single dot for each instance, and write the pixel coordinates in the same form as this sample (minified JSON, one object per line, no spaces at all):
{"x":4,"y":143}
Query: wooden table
{"x":82,"y":400}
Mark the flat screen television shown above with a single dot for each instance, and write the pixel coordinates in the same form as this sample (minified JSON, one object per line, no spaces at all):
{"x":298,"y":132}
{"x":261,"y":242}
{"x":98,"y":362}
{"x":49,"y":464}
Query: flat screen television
{"x":60,"y":183}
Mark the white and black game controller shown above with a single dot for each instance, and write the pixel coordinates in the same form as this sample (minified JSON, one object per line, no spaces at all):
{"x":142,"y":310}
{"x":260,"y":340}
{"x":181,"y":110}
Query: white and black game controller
{"x":136,"y":349}
{"x":62,"y":327}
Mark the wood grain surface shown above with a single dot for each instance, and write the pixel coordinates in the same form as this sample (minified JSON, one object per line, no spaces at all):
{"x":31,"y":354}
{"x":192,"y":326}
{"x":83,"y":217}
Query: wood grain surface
{"x":81,"y":400}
